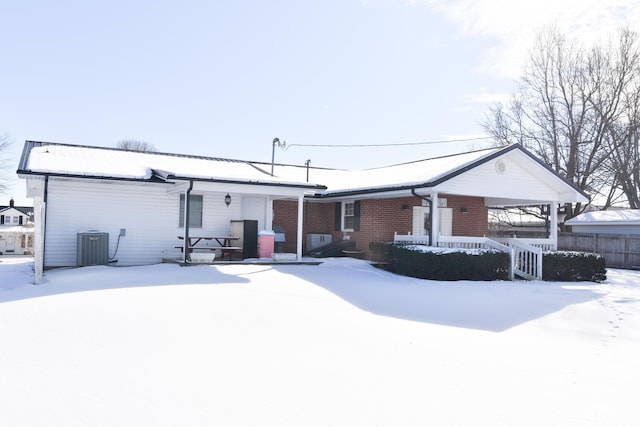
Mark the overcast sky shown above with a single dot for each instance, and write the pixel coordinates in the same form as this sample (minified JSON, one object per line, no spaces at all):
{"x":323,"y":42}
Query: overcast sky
{"x":224,"y":78}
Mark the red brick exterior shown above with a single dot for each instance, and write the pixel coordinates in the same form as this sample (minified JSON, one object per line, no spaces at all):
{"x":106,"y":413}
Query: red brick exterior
{"x":474,"y":222}
{"x":379,"y":219}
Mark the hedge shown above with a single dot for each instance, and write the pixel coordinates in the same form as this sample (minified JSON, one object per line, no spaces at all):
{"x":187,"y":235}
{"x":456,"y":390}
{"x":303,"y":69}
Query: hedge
{"x":566,"y":266}
{"x":440,"y":264}
{"x":479,"y":264}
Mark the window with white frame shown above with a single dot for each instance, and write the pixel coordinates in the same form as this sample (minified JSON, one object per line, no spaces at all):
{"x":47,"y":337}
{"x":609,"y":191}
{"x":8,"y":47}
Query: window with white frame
{"x":195,"y":210}
{"x":348,"y":216}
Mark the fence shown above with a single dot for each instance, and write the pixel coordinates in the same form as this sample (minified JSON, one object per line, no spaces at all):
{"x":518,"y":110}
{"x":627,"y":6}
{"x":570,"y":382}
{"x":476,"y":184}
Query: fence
{"x":618,"y":250}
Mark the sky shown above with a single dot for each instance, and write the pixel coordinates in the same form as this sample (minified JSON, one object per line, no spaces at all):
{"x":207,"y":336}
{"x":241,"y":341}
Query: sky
{"x":224,"y":78}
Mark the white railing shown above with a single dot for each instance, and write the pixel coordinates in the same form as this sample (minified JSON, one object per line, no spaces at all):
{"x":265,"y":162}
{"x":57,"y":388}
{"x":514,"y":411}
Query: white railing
{"x":461,"y":242}
{"x":525,"y":254}
{"x":526,"y":259}
{"x":411,"y":239}
{"x":465,"y":242}
{"x":544,"y":244}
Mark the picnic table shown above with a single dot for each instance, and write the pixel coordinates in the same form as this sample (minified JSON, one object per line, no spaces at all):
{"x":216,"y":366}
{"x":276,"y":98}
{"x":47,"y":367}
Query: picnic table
{"x":224,"y":244}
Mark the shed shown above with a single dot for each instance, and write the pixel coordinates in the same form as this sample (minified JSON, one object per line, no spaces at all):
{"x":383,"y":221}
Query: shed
{"x":623,"y":221}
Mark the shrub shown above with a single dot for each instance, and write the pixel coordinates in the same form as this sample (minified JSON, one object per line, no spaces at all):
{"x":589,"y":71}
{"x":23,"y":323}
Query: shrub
{"x":450,"y":264}
{"x":564,"y":266}
{"x":383,"y":253}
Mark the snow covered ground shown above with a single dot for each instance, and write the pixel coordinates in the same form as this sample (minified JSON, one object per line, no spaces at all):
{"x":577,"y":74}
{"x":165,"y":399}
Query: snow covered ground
{"x":339,"y":344}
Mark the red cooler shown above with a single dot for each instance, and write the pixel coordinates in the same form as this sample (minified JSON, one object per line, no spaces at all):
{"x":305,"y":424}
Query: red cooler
{"x":266,"y":239}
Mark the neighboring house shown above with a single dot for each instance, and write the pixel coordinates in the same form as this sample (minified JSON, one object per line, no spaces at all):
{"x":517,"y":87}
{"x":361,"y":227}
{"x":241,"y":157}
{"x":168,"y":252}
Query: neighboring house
{"x":441,"y":201}
{"x":16,"y":229}
{"x":624,"y":221}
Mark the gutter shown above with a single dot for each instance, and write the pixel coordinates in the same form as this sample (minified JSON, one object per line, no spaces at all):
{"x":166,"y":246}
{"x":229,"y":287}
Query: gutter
{"x":163,"y":179}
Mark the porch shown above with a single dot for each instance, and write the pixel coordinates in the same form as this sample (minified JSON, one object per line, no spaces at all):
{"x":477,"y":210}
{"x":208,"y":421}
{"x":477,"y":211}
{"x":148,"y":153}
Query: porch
{"x":225,"y":221}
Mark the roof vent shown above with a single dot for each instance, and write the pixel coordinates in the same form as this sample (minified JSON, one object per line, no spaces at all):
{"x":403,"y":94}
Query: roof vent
{"x":501,"y":167}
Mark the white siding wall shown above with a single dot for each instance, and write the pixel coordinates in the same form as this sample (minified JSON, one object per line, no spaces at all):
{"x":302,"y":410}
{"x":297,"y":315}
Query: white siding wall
{"x":513,"y":183}
{"x":606,"y":229}
{"x":148,"y":212}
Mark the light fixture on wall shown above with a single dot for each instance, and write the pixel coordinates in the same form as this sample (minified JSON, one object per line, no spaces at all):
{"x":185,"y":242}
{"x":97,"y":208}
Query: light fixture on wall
{"x":227,"y":200}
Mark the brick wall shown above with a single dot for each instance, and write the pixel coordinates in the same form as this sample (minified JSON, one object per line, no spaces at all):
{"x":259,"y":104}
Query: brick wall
{"x":379,"y":219}
{"x":475,"y":221}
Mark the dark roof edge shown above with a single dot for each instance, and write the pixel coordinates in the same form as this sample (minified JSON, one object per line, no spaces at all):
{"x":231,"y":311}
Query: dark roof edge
{"x":27,"y":210}
{"x":156,"y":179}
{"x":349,"y":193}
{"x":26,"y":151}
{"x":267,"y":184}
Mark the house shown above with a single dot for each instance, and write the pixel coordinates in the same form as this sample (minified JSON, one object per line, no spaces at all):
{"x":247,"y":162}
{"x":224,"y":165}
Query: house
{"x":623,"y":221}
{"x":143,"y":201}
{"x":16,"y":229}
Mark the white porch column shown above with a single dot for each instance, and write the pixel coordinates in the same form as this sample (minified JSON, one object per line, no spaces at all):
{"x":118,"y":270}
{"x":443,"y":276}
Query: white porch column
{"x":300,"y":216}
{"x":435,"y":221}
{"x":268,"y":215}
{"x":553,"y":224}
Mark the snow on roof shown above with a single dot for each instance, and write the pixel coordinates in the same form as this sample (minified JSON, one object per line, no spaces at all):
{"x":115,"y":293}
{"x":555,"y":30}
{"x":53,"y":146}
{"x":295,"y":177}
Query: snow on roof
{"x":611,"y":217}
{"x":63,"y":159}
{"x":405,"y":174}
{"x":112,"y":163}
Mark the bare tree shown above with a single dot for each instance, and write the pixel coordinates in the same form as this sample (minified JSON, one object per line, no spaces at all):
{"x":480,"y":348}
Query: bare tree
{"x":623,"y":128}
{"x":136,"y":145}
{"x":4,"y":161}
{"x":577,"y":110}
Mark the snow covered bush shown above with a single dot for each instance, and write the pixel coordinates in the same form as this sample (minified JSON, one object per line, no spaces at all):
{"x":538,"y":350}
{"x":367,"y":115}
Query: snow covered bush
{"x":449,"y":264}
{"x":566,"y":266}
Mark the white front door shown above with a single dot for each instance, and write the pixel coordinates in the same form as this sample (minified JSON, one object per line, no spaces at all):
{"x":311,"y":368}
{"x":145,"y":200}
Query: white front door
{"x":421,"y":221}
{"x":445,"y":216}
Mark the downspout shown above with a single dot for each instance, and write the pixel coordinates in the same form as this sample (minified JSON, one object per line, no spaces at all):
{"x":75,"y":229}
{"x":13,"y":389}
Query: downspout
{"x":185,"y":249}
{"x":413,"y":191}
{"x":44,"y":225}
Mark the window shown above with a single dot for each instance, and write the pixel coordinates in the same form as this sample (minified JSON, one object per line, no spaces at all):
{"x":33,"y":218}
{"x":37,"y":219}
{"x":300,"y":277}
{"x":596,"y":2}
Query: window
{"x":195,"y":211}
{"x":16,"y":220}
{"x":347,"y":216}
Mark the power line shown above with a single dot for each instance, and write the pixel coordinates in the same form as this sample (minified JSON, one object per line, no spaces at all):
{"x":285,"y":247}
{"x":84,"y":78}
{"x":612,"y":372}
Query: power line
{"x":386,"y":145}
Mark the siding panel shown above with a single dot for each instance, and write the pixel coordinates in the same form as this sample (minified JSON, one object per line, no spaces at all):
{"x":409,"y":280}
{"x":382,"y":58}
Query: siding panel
{"x":147,"y":211}
{"x":511,"y":182}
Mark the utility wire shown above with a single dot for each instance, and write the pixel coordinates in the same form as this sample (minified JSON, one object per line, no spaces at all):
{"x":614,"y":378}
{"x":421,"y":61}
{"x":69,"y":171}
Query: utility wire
{"x":385,"y":145}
